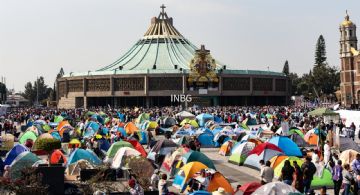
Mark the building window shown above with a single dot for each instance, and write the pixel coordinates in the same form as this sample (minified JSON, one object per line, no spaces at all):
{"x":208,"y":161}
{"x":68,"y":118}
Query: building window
{"x":350,"y":33}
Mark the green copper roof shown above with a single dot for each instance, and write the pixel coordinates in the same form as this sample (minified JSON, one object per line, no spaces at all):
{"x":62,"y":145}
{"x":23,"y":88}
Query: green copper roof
{"x":161,"y":50}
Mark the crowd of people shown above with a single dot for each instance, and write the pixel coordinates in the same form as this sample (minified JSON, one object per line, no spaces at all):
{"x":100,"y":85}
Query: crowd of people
{"x":344,"y":175}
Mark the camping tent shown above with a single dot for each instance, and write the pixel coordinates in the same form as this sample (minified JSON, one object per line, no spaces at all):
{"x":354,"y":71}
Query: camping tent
{"x":137,"y":146}
{"x":7,"y":142}
{"x":286,"y":145}
{"x":203,"y":118}
{"x":27,"y":135}
{"x":189,"y":121}
{"x":249,"y":188}
{"x":56,"y":156}
{"x":130,"y":128}
{"x":226,"y":147}
{"x":161,"y":148}
{"x":240,"y":152}
{"x":311,"y":138}
{"x":74,"y":143}
{"x":23,"y":161}
{"x":14,"y":152}
{"x":169,"y":160}
{"x":275,"y":188}
{"x":206,"y":140}
{"x":41,"y":137}
{"x":276,"y":160}
{"x":278,"y":168}
{"x":88,"y":155}
{"x":186,"y":172}
{"x":75,"y":168}
{"x":184,"y":114}
{"x":218,"y":180}
{"x":195,"y":156}
{"x":324,"y":180}
{"x":116,"y":146}
{"x":264,"y":151}
{"x":117,"y":161}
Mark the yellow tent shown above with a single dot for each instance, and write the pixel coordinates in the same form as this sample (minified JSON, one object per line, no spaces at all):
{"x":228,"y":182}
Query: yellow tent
{"x":74,"y":143}
{"x":276,"y":160}
{"x":189,"y":121}
{"x":8,"y":142}
{"x":186,"y":172}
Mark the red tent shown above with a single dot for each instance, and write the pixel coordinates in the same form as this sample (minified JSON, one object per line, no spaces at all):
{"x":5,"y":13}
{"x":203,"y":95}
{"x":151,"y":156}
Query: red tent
{"x":249,"y":188}
{"x":138,"y":147}
{"x":260,"y":148}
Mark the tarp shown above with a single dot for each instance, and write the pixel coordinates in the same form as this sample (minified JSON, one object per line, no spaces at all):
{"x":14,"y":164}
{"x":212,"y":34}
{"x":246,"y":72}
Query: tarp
{"x":348,"y":156}
{"x":275,"y":188}
{"x":195,"y":156}
{"x":14,"y":152}
{"x":116,"y":146}
{"x":185,"y":114}
{"x":186,"y":172}
{"x":56,"y":156}
{"x":88,"y":155}
{"x":322,"y":112}
{"x":118,"y":160}
{"x":23,"y":161}
{"x":240,"y":152}
{"x":289,"y":147}
{"x":27,"y":135}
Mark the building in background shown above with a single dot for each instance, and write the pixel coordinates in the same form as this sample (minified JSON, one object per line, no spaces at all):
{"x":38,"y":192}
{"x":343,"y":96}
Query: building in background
{"x":350,"y":64}
{"x":162,"y":65}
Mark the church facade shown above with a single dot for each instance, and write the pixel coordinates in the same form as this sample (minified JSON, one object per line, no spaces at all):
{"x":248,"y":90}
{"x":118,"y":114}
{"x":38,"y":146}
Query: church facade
{"x":163,"y":66}
{"x":350,"y":64}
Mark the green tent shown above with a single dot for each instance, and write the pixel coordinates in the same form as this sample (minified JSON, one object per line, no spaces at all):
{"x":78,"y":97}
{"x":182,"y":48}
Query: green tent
{"x":324,"y":180}
{"x":27,"y":135}
{"x":58,"y":119}
{"x":294,"y":130}
{"x":116,"y":146}
{"x":23,"y":161}
{"x":278,"y":168}
{"x":195,"y":156}
{"x":322,"y":112}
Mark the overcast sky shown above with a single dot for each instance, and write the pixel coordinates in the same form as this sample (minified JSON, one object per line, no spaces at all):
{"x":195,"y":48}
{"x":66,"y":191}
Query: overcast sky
{"x":38,"y":37}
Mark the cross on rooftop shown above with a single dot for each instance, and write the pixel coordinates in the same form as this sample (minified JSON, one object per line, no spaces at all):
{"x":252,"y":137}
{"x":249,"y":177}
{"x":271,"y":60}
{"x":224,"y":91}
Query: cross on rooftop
{"x":162,"y":8}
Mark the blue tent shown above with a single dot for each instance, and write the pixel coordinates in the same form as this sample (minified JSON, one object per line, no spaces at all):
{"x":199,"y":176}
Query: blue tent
{"x":121,"y":117}
{"x":206,"y":140}
{"x":14,"y":152}
{"x":142,"y":137}
{"x":80,"y":154}
{"x":203,"y":118}
{"x":218,"y":119}
{"x":289,"y":147}
{"x":216,"y":130}
{"x":200,"y":192}
{"x":104,"y":144}
{"x":55,"y":135}
{"x":122,"y":131}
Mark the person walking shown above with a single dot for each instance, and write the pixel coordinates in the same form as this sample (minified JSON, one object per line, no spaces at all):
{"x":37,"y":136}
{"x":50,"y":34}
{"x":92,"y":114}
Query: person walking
{"x":337,"y":177}
{"x":327,"y":152}
{"x":287,"y":173}
{"x":266,"y":173}
{"x":347,"y":179}
{"x":355,"y":166}
{"x":308,"y":168}
{"x":162,"y":186}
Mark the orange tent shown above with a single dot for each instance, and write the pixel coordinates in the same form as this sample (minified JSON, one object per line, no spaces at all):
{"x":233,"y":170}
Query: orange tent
{"x":63,"y":125}
{"x":276,"y":160}
{"x":313,"y":139}
{"x":225,"y":149}
{"x":130,"y":128}
{"x":56,"y":156}
{"x":218,"y":180}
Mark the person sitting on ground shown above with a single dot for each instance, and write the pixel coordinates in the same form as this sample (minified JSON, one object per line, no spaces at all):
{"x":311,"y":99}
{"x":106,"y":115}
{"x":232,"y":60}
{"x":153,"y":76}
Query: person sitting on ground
{"x":154,"y":180}
{"x":135,"y":189}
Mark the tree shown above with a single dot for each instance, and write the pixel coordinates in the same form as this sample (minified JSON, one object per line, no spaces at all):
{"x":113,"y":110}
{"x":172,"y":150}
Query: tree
{"x":38,"y":91}
{"x":286,"y":70}
{"x":320,"y":52}
{"x":3,"y":92}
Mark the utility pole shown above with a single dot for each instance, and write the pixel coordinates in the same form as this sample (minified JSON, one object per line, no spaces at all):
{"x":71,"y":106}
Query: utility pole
{"x":37,"y":91}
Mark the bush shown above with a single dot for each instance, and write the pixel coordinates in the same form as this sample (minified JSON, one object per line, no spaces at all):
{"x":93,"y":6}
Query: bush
{"x":48,"y":144}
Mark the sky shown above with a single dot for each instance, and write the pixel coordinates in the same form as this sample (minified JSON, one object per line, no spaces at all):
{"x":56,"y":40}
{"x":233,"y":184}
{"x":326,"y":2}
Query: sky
{"x":38,"y":37}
